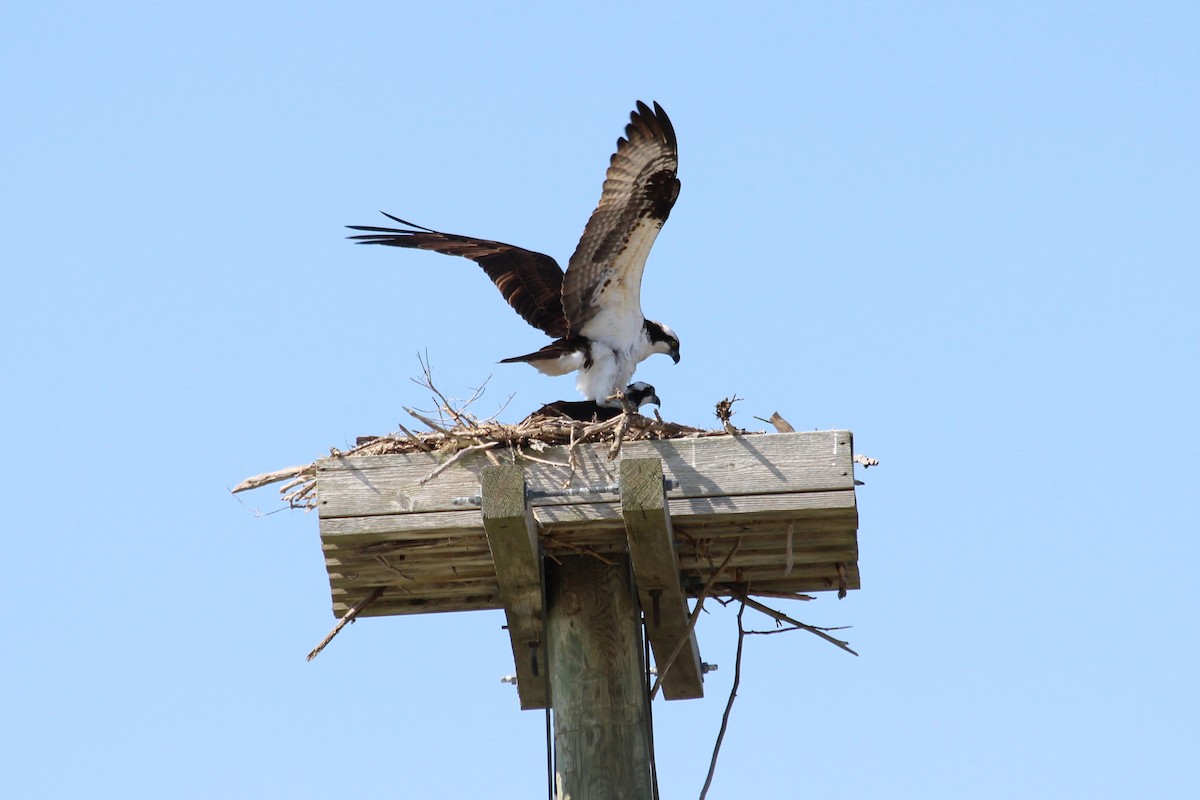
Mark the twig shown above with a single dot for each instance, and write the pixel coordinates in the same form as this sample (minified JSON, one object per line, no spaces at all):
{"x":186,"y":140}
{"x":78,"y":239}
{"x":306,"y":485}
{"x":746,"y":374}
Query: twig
{"x":292,"y":484}
{"x":432,"y":425}
{"x":572,"y":461}
{"x":256,"y":511}
{"x":294,"y":499}
{"x":389,"y":565}
{"x":619,"y":435}
{"x":595,"y":430}
{"x":737,"y":679}
{"x":270,"y":477}
{"x":413,"y":438}
{"x":771,"y":632}
{"x":443,"y":402}
{"x":578,"y":548}
{"x":475,"y":448}
{"x":476,"y":393}
{"x":779,"y":615}
{"x":500,"y":409}
{"x":346,"y":618}
{"x":372,"y":443}
{"x":545,"y":461}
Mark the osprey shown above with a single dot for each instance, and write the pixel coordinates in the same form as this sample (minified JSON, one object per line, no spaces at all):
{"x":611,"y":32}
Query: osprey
{"x":593,"y":310}
{"x":636,"y":395}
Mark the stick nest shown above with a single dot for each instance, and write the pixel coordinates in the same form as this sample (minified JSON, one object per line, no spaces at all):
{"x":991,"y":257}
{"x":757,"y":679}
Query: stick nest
{"x":458,"y":433}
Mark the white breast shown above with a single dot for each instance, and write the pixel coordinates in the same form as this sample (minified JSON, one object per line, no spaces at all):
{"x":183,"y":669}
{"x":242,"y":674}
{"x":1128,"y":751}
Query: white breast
{"x":609,"y":374}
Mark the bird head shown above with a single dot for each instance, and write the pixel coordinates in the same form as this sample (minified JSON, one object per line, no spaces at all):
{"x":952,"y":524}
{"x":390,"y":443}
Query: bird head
{"x":640,"y":393}
{"x":662,"y":339}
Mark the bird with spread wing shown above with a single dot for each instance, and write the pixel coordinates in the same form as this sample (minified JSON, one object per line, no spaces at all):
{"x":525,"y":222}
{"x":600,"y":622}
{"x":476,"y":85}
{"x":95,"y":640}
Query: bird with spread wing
{"x":593,"y":311}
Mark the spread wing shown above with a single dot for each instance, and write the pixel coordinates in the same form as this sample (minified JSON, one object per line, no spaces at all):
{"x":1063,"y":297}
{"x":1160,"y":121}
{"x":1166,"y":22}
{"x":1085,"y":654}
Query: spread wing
{"x":603,"y":285}
{"x":530,"y":282}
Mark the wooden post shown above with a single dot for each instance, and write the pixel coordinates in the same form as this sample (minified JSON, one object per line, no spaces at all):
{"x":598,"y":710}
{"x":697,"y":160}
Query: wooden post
{"x":597,"y":685}
{"x":656,"y":568}
{"x":513,"y":540}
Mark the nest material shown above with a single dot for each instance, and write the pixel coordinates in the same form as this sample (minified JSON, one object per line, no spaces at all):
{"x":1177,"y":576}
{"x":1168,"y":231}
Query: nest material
{"x":463,"y":434}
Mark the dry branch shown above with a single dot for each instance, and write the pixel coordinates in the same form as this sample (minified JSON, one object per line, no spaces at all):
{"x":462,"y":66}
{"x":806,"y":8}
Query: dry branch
{"x":268,"y":478}
{"x":346,"y":618}
{"x":781,"y":617}
{"x":553,"y":541}
{"x":475,"y":448}
{"x":737,"y":679}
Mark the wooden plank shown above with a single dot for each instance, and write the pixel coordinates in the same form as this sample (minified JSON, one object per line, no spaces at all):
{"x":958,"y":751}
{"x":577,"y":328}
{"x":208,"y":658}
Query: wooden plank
{"x":601,"y":746}
{"x":434,"y":584}
{"x":691,"y":551}
{"x":712,"y":467}
{"x":513,"y":538}
{"x":396,"y":545}
{"x":401,"y":606}
{"x":439,"y":591}
{"x":447,"y":576}
{"x":822,"y":578}
{"x":692,"y":511}
{"x":774,"y":559}
{"x":656,"y":572}
{"x":804,"y":583}
{"x":456,"y":558}
{"x":708,"y":510}
{"x":825,"y":573}
{"x":815,"y":531}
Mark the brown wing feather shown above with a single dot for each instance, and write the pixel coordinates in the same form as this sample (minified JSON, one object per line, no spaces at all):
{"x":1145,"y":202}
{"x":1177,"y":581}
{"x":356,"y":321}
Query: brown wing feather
{"x":530,"y":282}
{"x":639,"y":190}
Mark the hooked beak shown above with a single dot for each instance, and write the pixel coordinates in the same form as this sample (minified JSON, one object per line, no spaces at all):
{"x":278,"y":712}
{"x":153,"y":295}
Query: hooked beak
{"x":654,"y":399}
{"x":675,"y":355}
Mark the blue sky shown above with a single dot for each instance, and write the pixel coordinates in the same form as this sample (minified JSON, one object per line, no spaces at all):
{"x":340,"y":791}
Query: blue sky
{"x":967,"y":232}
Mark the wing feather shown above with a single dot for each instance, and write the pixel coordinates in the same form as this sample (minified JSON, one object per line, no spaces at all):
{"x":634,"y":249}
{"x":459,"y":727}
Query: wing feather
{"x":602,"y":288}
{"x":530,"y":282}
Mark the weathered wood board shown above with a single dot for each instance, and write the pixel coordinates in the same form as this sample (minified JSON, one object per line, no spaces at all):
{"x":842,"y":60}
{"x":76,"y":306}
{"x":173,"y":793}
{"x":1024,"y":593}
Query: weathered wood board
{"x":512,"y":535}
{"x":789,"y":498}
{"x":651,"y":541}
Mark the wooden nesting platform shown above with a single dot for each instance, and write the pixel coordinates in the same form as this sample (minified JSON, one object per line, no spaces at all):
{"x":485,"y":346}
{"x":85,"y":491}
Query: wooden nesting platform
{"x":789,"y":499}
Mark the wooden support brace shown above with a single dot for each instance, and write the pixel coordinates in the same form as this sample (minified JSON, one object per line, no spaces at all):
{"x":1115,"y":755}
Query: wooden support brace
{"x":513,"y":538}
{"x":656,"y":571}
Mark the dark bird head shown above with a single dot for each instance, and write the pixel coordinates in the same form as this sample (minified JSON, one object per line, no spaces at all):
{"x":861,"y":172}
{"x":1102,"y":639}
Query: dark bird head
{"x":640,"y":393}
{"x":662,"y":339}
